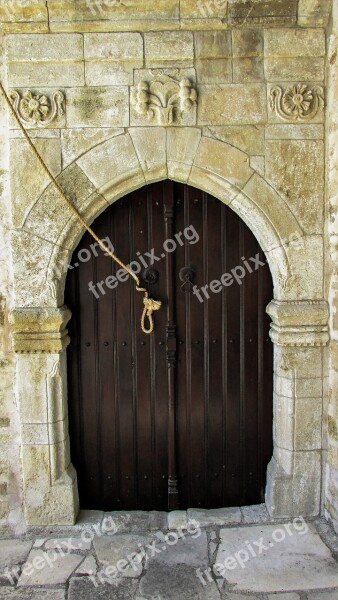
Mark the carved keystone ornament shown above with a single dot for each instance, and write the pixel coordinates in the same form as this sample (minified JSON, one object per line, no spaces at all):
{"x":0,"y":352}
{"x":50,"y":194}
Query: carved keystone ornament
{"x":164,"y":98}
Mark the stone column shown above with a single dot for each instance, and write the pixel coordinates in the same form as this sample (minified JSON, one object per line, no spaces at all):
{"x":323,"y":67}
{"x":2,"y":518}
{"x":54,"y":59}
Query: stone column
{"x":299,"y":331}
{"x":49,"y":479}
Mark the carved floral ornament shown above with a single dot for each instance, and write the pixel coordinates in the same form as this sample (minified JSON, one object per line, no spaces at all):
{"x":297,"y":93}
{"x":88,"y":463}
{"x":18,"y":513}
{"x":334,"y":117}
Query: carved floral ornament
{"x":36,"y":110}
{"x":297,"y":102}
{"x":164,"y":98}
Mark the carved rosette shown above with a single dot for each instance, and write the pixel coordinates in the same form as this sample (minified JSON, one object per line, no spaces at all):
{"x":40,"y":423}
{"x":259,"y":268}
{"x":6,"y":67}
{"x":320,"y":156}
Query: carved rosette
{"x":298,"y":102}
{"x":164,"y":98}
{"x":36,"y":110}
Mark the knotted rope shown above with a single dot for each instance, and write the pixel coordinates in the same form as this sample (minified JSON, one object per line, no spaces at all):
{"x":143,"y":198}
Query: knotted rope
{"x":150,"y":305}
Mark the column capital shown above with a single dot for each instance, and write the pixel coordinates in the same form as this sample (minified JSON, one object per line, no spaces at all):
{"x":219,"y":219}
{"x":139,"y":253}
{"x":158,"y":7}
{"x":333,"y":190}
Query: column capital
{"x":40,"y":330}
{"x":299,"y":322}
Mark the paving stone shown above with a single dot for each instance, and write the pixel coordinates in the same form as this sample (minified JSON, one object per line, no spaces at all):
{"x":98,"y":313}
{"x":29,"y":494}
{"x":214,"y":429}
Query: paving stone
{"x":255,"y":514}
{"x":13,"y":552}
{"x":89,"y":517}
{"x":217,"y":516}
{"x":158,"y":520}
{"x":48,"y":568}
{"x":290,"y":596}
{"x":68,"y":544}
{"x":31,"y":594}
{"x":329,"y":595}
{"x":39,"y":543}
{"x":304,"y":562}
{"x":122,"y":547}
{"x":177,"y":519}
{"x":190,"y":551}
{"x":136,"y":520}
{"x":88,"y":567}
{"x":231,"y":596}
{"x":119,"y":589}
{"x":162,"y":582}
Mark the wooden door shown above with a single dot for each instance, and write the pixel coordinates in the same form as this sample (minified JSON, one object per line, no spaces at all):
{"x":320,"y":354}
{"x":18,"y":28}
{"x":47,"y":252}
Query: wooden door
{"x":182,"y":417}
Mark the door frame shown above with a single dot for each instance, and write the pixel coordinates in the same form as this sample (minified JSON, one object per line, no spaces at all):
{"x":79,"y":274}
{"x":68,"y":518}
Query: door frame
{"x":38,"y":319}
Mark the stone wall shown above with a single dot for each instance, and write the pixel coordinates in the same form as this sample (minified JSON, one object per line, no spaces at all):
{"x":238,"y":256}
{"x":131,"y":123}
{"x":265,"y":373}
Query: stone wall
{"x":247,"y":81}
{"x":331,"y":427}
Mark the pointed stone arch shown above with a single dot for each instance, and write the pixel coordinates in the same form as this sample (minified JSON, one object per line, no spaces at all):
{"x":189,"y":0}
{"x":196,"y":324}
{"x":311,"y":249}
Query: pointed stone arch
{"x":43,"y":247}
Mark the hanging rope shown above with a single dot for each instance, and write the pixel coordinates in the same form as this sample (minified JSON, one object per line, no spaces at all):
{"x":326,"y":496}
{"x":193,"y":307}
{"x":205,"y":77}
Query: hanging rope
{"x":150,"y":305}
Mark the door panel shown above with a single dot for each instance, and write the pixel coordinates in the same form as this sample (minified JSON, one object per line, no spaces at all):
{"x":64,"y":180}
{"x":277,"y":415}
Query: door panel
{"x":214,"y":355}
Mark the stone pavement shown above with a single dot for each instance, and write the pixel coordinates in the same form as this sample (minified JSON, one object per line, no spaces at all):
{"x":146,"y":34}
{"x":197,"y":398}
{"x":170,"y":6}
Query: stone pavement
{"x":224,"y":554}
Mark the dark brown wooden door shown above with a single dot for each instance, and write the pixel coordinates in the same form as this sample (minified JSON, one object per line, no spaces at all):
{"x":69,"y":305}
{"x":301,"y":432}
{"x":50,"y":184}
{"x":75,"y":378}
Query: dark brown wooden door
{"x":191,"y":403}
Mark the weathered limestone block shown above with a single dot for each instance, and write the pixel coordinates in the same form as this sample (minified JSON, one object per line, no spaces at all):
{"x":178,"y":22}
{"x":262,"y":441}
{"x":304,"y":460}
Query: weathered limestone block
{"x":294,"y":42}
{"x":28,"y":180}
{"x":174,"y":48}
{"x":204,"y":11}
{"x":249,"y":138}
{"x":98,"y":107}
{"x":295,"y":69}
{"x":113,"y":164}
{"x":313,"y":13}
{"x":110,"y":58}
{"x":182,"y":146}
{"x":248,"y":55}
{"x":111,"y":10}
{"x":288,"y":165}
{"x":232,"y":104}
{"x":294,"y":131}
{"x":246,"y":13}
{"x":60,"y":63}
{"x":49,"y":215}
{"x":16,"y":12}
{"x":150,"y":146}
{"x":224,"y":160}
{"x":75,"y":142}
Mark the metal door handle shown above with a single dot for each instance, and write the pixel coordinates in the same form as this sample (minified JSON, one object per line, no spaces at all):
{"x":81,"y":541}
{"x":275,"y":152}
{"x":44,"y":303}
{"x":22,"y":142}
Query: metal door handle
{"x":187,"y":275}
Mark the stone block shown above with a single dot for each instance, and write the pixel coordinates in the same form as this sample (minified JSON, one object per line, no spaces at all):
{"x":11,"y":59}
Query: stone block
{"x":28,"y":180}
{"x":88,"y":567}
{"x":175,"y":48}
{"x":182,"y":146}
{"x":98,"y":107}
{"x":111,"y":13}
{"x":255,"y":514}
{"x":314,"y":568}
{"x":294,"y":131}
{"x":15,"y":12}
{"x":294,"y":42}
{"x":217,"y":70}
{"x":216,"y":516}
{"x":308,"y":424}
{"x":45,"y":47}
{"x":120,"y":547}
{"x":68,"y":544}
{"x":273,"y":12}
{"x":75,"y":142}
{"x":150,"y":146}
{"x":191,"y":551}
{"x":46,"y":568}
{"x":295,"y":69}
{"x":112,"y":163}
{"x":224,"y":160}
{"x":204,"y":12}
{"x":110,"y":58}
{"x":248,"y":70}
{"x":46,"y":74}
{"x":212,"y":44}
{"x":162,"y":581}
{"x":31,"y":593}
{"x":288,"y":165}
{"x":13,"y":552}
{"x":248,"y":138}
{"x":177,"y":519}
{"x":313,"y":13}
{"x":232,"y":104}
{"x":50,"y":214}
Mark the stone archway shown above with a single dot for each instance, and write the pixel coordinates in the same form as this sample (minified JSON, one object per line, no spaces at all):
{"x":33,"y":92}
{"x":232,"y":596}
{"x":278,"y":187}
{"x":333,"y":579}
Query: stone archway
{"x":299,"y":330}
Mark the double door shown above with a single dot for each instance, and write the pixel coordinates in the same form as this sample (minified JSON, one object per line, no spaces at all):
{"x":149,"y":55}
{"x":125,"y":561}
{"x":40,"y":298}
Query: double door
{"x":182,"y":417}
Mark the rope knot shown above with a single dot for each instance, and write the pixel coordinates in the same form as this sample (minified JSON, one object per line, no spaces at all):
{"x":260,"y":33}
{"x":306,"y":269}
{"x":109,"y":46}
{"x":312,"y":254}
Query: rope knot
{"x":150,"y":306}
